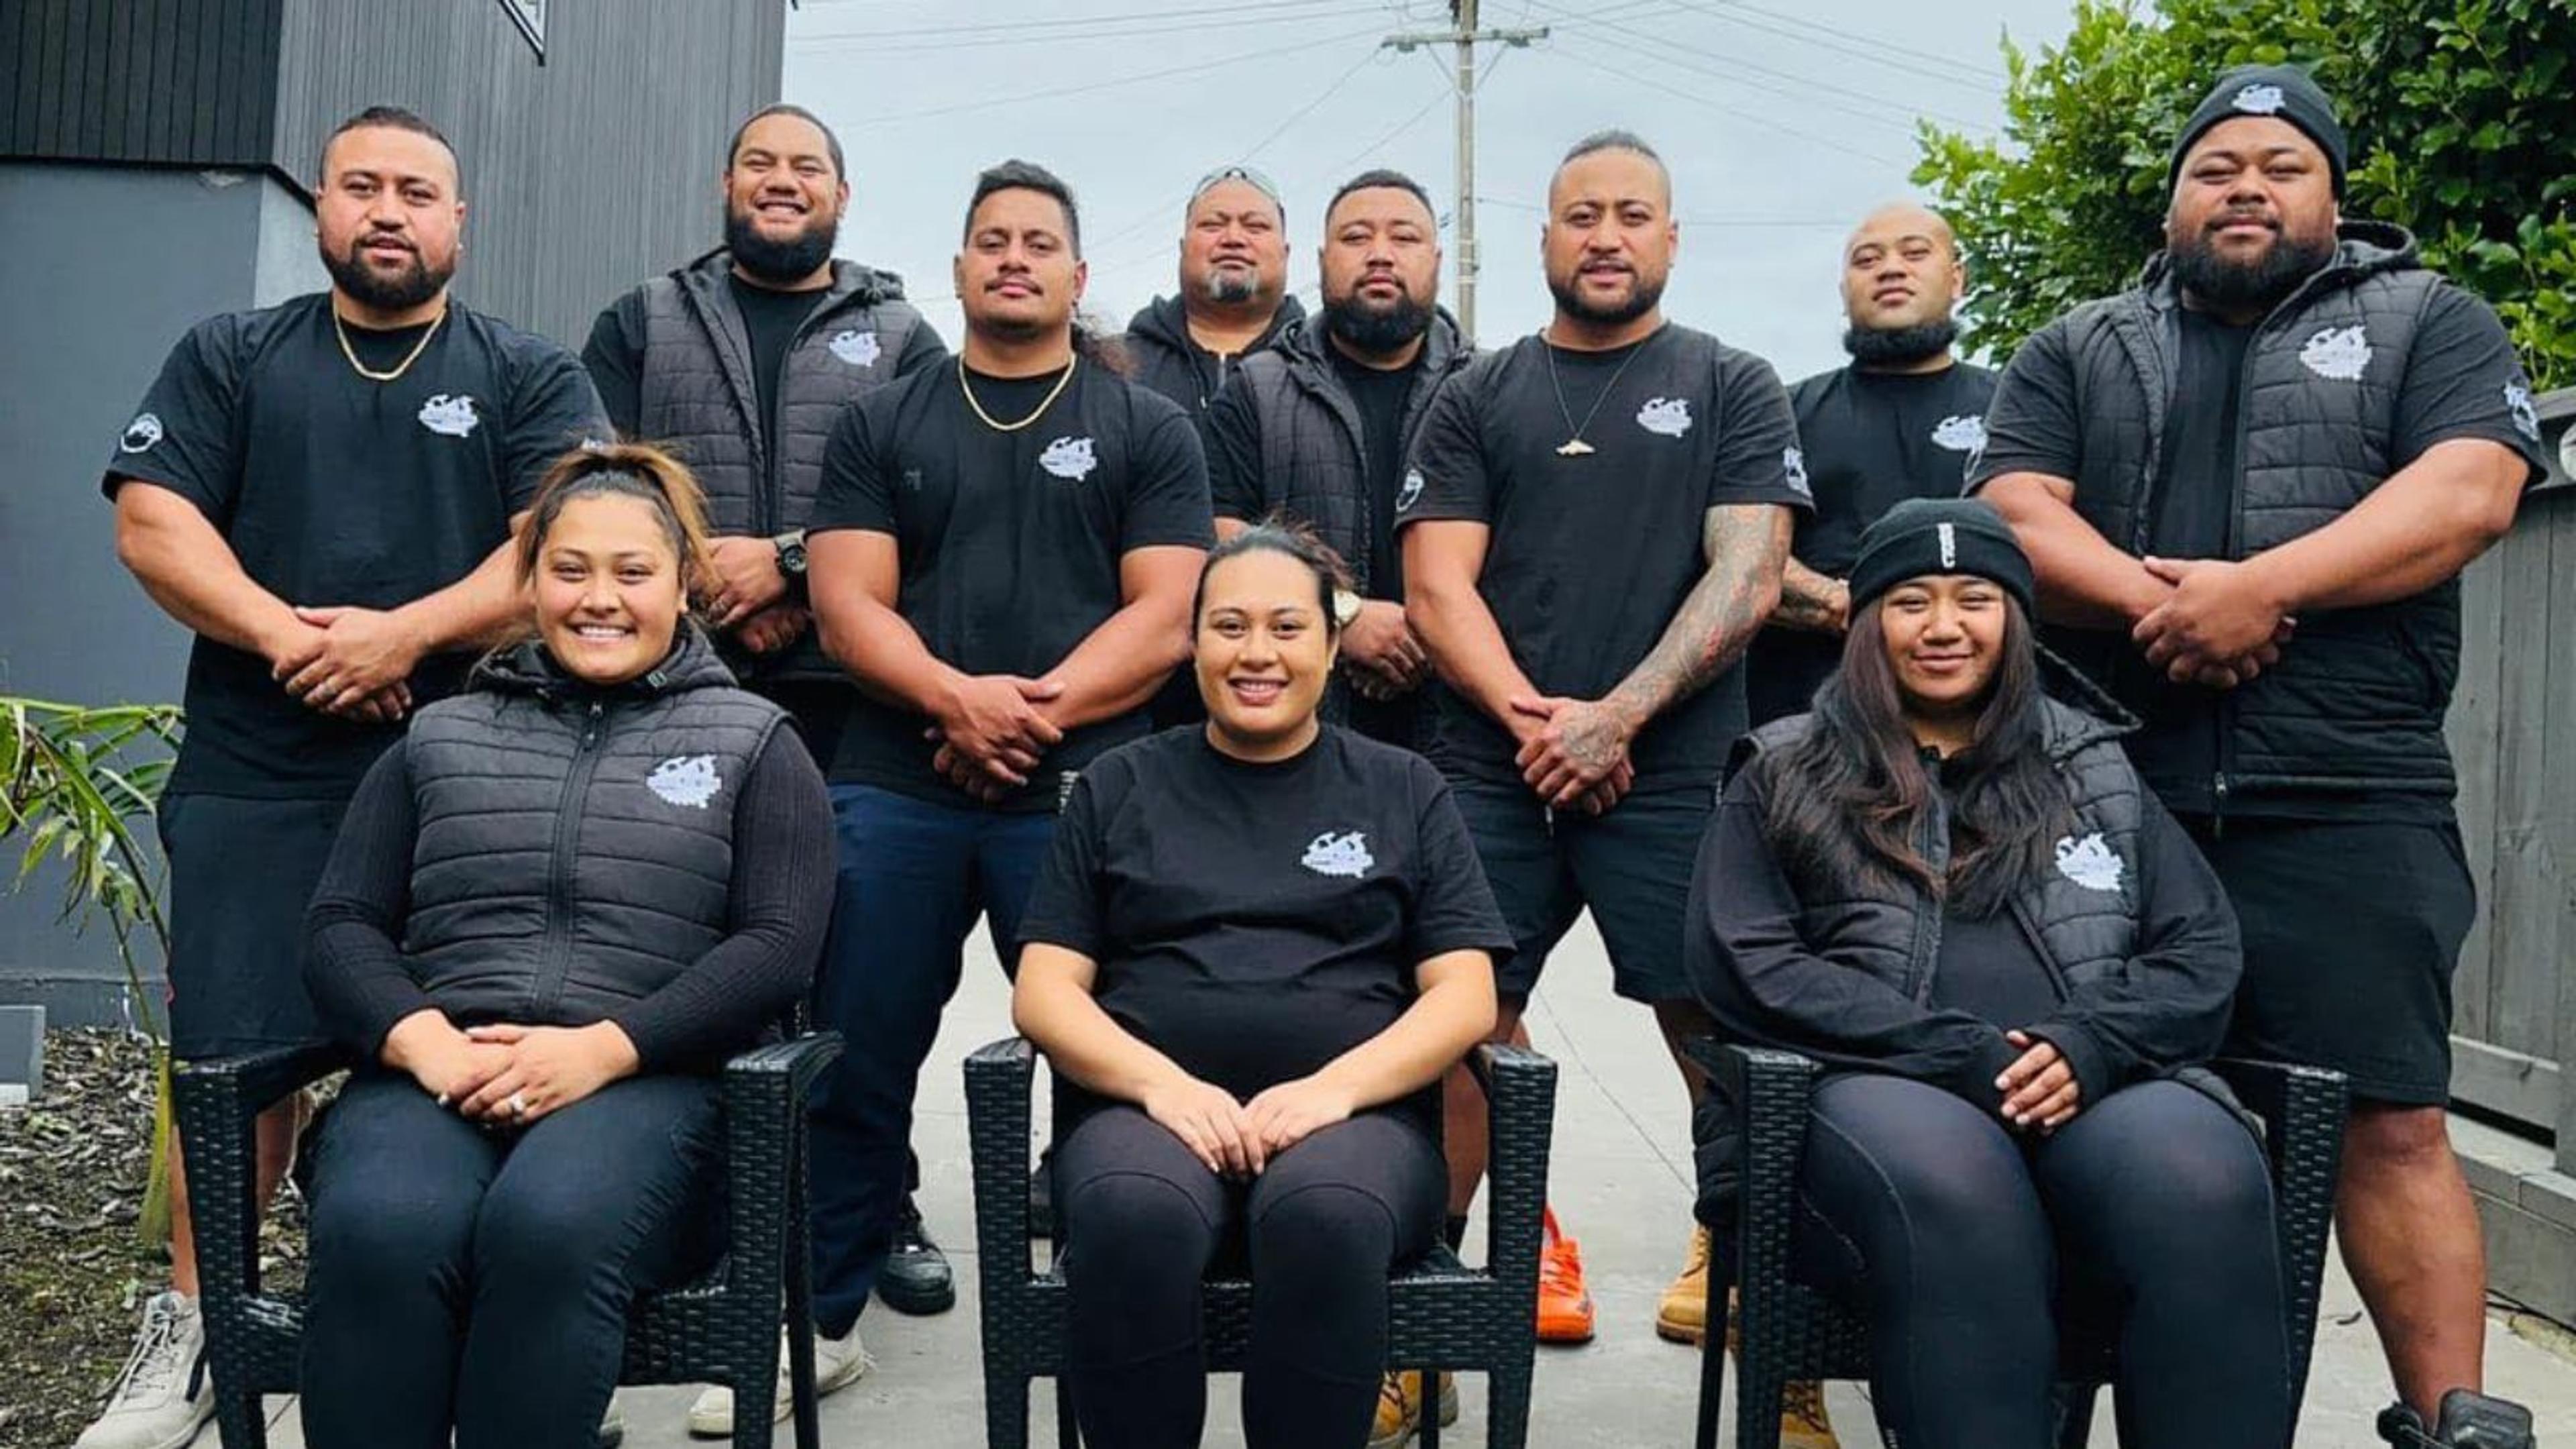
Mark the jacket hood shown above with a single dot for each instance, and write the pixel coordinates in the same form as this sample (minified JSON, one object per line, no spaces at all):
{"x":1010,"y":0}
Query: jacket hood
{"x":1165,"y":323}
{"x":526,"y":668}
{"x":2362,"y":249}
{"x":1305,"y":342}
{"x":851,"y":281}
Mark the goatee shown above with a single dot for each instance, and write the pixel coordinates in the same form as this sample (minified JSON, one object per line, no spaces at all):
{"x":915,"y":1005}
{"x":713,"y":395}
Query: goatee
{"x":779,"y":263}
{"x":1899,"y":346}
{"x":399,"y":292}
{"x":1642,"y":298}
{"x":2255,"y":286}
{"x":1374,"y":330}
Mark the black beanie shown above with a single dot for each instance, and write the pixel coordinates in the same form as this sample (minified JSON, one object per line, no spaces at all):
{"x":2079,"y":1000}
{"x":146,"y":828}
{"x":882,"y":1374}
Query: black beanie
{"x":2282,"y":91}
{"x":1940,"y":536}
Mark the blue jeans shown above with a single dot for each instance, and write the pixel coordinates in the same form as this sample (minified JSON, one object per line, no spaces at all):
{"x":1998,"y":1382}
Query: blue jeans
{"x":914,"y":875}
{"x":478,"y":1278}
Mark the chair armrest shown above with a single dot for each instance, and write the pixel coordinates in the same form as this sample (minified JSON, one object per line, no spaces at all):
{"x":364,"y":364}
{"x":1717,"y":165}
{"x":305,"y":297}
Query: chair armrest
{"x":2303,"y":1111}
{"x":764,"y":1092}
{"x":218,"y":1102}
{"x":1769,"y":1092}
{"x":998,"y":1081}
{"x":1520,"y":1098}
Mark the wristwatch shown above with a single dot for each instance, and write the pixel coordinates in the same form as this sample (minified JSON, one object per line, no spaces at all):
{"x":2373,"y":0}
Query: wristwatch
{"x":791,"y":560}
{"x":1346,"y":608}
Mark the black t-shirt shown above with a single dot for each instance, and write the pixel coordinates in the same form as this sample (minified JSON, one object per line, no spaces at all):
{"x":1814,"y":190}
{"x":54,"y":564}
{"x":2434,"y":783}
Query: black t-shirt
{"x":1591,"y":556}
{"x":1010,"y":542}
{"x":2461,"y":380}
{"x":1988,"y":968}
{"x":1255,"y":921}
{"x":1873,"y":440}
{"x":1380,"y":395}
{"x":332,"y":488}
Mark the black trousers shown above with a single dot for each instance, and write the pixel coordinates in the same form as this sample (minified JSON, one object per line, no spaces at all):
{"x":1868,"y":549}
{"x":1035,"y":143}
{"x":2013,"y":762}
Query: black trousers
{"x":1324,"y":1226}
{"x":1968,"y":1247}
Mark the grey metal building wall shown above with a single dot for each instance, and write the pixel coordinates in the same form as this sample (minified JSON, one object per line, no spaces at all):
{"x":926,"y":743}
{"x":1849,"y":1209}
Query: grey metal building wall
{"x":186,"y":82}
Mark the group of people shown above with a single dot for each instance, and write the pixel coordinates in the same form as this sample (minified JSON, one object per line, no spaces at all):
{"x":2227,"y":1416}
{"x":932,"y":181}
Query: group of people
{"x":557,"y":726}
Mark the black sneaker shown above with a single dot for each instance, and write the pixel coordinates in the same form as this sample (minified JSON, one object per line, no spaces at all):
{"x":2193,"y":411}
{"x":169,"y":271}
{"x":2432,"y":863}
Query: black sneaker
{"x":2469,"y":1420}
{"x":915,"y":1278}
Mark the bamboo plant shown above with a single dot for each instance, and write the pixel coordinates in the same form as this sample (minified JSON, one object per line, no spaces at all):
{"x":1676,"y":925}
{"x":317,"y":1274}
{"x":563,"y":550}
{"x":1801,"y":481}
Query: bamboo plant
{"x":79,"y":786}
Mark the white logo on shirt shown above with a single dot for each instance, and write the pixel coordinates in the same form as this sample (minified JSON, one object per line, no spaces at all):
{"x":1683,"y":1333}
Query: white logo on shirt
{"x":1668,"y":416}
{"x":1794,"y":464}
{"x":1411,"y":493}
{"x":145,"y":431}
{"x":2089,"y":862}
{"x":689,"y":780}
{"x":1068,"y":458}
{"x":450,"y":414}
{"x":2517,"y":401}
{"x":1961,"y":433}
{"x":1330,"y":854}
{"x":1949,"y":545}
{"x":2339,"y":353}
{"x":2259,"y":100}
{"x":858,"y":349}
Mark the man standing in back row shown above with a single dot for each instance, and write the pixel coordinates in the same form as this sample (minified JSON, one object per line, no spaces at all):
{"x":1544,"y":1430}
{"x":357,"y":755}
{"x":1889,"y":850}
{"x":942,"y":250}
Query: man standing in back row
{"x":1901,"y":421}
{"x":2249,"y":485}
{"x":1594,"y":524}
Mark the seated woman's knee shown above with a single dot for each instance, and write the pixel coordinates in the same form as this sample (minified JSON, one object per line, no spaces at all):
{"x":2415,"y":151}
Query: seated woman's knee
{"x":385,"y":1234}
{"x":1319,"y":1227}
{"x":1139,"y":1220}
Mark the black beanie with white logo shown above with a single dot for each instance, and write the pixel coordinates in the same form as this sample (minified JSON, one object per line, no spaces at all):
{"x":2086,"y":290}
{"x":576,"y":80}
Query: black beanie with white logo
{"x":1922,"y":536}
{"x":2283,"y":92}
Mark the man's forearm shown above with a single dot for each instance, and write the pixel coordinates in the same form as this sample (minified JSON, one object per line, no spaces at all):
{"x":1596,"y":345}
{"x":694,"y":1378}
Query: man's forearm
{"x":1811,"y":601}
{"x":2412,"y":533}
{"x":883,"y":655}
{"x":483,"y":608}
{"x":1466,"y":645}
{"x":1746,"y":545}
{"x":188,"y":569}
{"x":2084,"y":579}
{"x":1120,"y":665}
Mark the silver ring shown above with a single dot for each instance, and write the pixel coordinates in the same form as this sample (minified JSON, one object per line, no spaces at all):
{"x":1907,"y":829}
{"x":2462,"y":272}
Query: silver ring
{"x":518,"y":1105}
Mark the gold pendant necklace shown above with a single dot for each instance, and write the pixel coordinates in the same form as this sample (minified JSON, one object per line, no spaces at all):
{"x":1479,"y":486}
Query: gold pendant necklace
{"x":1575,"y":447}
{"x":1053,"y":393}
{"x":341,"y":330}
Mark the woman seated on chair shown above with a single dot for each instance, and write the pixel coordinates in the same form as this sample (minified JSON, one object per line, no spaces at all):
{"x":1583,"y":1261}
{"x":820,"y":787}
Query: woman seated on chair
{"x":553,"y":911}
{"x":1956,"y":895}
{"x":1254,"y":950}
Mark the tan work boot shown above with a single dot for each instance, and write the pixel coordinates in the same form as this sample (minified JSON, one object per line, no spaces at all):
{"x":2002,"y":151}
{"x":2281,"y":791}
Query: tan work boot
{"x":1803,"y":1424}
{"x":1681,"y":1316}
{"x":1399,"y":1409}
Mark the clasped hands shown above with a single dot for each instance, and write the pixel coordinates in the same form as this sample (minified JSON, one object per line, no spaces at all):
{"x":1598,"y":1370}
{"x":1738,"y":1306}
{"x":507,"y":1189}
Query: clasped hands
{"x":991,"y":732}
{"x":2220,"y":626}
{"x":1238,"y":1139}
{"x":2040,"y":1090}
{"x":507,"y":1075}
{"x":349,"y":662}
{"x":1574,"y":752}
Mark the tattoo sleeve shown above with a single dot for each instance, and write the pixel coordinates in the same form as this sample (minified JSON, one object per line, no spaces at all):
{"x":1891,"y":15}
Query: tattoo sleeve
{"x":1747,"y":544}
{"x":1810,"y":600}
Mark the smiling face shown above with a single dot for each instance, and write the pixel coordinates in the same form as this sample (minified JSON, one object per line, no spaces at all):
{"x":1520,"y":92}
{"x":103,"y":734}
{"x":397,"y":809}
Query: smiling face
{"x":1018,"y":277}
{"x":387,"y":216}
{"x":609,"y":589}
{"x":1233,"y":249}
{"x":1264,"y":653}
{"x":784,"y":199}
{"x":1610,"y":236}
{"x":1945,"y":637}
{"x":2253,"y":212}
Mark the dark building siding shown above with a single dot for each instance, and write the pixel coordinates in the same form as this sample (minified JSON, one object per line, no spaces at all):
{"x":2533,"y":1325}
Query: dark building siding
{"x":583,"y":175}
{"x":185,"y":82}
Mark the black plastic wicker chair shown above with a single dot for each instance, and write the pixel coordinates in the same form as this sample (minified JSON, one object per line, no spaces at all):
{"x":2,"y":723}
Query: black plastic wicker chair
{"x":1441,"y":1314}
{"x":1790,"y":1332}
{"x":721,"y":1329}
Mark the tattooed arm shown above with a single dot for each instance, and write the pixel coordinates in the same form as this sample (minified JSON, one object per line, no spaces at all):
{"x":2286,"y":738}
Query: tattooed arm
{"x":1585,"y":741}
{"x":1811,"y":601}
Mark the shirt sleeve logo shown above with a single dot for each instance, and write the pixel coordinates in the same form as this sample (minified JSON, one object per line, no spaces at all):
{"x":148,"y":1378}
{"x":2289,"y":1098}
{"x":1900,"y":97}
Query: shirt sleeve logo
{"x":2090,"y":862}
{"x":1342,"y":855}
{"x":2259,"y":100}
{"x":1665,"y":416}
{"x":449,"y":414}
{"x":689,"y":780}
{"x":1069,"y":458}
{"x":1961,"y":433}
{"x":857,"y":348}
{"x":145,"y":431}
{"x":1793,"y":466}
{"x":2337,"y":353}
{"x":1411,"y":493}
{"x":2517,"y":402}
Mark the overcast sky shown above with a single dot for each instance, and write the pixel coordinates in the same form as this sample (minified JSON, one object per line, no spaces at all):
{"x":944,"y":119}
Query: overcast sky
{"x":1782,"y":120}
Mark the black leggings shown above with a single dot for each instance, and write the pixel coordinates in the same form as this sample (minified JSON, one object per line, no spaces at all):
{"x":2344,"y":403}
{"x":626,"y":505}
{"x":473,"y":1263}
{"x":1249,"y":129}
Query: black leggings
{"x":1951,"y":1233}
{"x":1324,"y":1224}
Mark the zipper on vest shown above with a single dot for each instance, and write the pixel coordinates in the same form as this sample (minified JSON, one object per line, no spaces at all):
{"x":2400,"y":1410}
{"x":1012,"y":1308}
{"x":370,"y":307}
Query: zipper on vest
{"x":2218,"y":798}
{"x":556,"y":964}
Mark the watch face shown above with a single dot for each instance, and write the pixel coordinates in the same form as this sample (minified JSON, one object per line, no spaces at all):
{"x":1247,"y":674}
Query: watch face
{"x":791,"y":558}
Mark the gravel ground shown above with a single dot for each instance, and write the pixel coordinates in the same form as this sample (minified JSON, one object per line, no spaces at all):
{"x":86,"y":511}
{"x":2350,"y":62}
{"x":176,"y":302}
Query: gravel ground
{"x":73,"y":1272}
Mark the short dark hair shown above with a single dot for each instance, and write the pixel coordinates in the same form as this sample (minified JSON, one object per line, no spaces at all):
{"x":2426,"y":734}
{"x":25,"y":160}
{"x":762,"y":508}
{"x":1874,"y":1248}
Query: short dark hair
{"x":394,"y":118}
{"x":1614,"y":138}
{"x":1380,"y":176}
{"x":831,"y":142}
{"x":1282,"y":535}
{"x":1018,"y":175}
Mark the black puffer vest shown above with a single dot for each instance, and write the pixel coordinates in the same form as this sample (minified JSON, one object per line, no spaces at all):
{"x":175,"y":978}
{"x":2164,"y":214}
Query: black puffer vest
{"x":575,"y":849}
{"x":2358,"y":699}
{"x":1314,"y":452}
{"x":699,"y":397}
{"x":1161,"y":356}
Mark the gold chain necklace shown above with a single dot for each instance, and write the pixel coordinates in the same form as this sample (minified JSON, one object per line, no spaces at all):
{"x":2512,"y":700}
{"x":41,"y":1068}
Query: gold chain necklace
{"x":1053,"y":393}
{"x":341,"y":329}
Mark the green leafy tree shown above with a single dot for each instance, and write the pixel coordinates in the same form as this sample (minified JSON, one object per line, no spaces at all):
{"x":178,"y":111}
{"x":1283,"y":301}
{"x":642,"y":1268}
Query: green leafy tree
{"x":77,"y":786}
{"x":2461,"y":116}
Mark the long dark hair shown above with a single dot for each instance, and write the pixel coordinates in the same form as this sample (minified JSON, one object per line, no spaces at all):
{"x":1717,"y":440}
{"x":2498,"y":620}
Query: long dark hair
{"x":1844,"y":801}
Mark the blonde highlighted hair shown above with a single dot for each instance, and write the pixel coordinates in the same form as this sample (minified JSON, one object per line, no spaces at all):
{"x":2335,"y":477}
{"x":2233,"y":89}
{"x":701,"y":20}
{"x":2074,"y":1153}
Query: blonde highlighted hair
{"x":639,"y":471}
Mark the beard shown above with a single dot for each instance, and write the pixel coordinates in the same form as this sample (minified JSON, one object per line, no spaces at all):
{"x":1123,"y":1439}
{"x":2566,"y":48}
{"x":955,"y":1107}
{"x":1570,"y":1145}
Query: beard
{"x":1899,"y":346}
{"x":781,"y":263}
{"x":399,"y":292}
{"x":2253,"y":286}
{"x":1374,"y":329}
{"x":1231,"y":286}
{"x":1643,"y":297}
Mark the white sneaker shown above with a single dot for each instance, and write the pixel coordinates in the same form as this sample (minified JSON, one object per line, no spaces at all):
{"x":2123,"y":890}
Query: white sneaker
{"x":163,"y":1394}
{"x":838,"y":1363}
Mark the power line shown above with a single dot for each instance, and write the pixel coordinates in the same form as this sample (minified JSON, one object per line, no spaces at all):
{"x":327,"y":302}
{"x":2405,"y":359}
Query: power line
{"x":1012,"y":99}
{"x":1869,"y":49}
{"x":1090,"y":37}
{"x":1805,"y":89}
{"x":1750,"y":117}
{"x":1715,"y":221}
{"x":1021,"y":27}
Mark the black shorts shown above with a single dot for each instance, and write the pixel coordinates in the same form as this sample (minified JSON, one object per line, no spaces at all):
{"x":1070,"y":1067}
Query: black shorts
{"x":242,"y":872}
{"x":2352,"y":931}
{"x":1631,"y":866}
